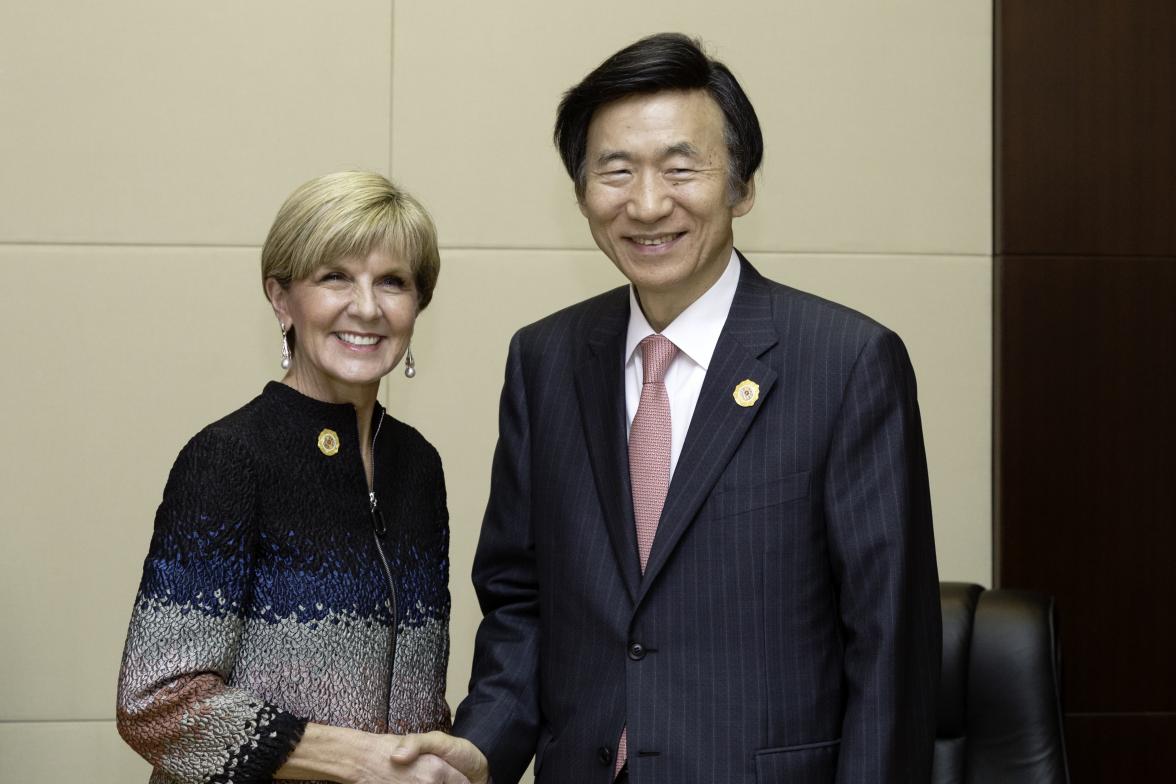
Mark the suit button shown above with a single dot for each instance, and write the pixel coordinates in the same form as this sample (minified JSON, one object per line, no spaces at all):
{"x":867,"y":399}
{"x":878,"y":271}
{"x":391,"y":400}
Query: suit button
{"x":604,"y":754}
{"x":636,"y":651}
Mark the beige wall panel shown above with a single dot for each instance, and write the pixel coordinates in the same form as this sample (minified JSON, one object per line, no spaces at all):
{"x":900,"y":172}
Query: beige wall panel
{"x":143,"y":122}
{"x":113,"y":359}
{"x":942,"y":308}
{"x":876,"y":116}
{"x":89,"y":751}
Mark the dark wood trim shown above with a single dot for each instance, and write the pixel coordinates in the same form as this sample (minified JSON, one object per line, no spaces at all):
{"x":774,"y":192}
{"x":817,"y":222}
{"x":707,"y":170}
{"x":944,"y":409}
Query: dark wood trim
{"x":1084,"y":359}
{"x":1085,"y":127}
{"x":1129,"y":747}
{"x":1086,"y":465}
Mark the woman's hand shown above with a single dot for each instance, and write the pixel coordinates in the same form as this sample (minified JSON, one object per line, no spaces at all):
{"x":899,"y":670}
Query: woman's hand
{"x":458,"y":753}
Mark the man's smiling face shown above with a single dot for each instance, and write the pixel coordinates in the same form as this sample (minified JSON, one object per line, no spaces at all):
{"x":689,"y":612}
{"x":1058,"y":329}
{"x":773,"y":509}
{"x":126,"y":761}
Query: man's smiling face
{"x":657,"y":195}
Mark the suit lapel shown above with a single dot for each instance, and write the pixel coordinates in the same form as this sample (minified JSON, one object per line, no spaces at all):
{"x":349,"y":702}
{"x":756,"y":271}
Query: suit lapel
{"x":601,"y":391}
{"x":719,"y":423}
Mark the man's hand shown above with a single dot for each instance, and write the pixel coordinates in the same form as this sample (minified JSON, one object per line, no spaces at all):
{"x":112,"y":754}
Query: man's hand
{"x":457,"y":752}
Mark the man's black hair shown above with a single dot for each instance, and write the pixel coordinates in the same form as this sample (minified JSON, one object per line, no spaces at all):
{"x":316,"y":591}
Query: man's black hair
{"x":665,"y":61}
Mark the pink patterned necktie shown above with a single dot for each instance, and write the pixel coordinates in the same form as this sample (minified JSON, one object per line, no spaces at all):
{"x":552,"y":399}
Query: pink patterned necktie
{"x":649,"y":459}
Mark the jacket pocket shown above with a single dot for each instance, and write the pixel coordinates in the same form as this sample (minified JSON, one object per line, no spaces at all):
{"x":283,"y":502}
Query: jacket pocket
{"x":812,"y":763}
{"x":736,"y":499}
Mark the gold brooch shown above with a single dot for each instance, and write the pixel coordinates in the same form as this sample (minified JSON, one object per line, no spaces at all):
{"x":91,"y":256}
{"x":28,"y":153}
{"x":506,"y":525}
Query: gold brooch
{"x":328,"y":442}
{"x":746,"y":392}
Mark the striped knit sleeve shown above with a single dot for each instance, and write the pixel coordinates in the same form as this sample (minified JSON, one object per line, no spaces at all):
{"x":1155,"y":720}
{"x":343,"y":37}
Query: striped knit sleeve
{"x":174,"y":705}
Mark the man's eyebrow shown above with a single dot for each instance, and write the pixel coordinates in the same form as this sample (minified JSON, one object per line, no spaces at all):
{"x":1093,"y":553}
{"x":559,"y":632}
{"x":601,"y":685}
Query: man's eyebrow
{"x":612,"y":156}
{"x":685,"y":149}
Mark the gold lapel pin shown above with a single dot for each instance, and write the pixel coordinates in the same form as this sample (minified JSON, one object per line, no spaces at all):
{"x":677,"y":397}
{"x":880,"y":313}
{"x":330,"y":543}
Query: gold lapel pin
{"x":746,"y":393}
{"x":328,"y":442}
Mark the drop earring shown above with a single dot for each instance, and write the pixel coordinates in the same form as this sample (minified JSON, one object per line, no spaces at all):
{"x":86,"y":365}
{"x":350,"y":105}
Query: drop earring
{"x":285,"y":348}
{"x":409,"y":364}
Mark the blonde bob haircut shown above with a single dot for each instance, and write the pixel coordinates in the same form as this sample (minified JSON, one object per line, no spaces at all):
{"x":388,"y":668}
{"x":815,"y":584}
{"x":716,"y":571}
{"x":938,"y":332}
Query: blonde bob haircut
{"x":349,"y":214}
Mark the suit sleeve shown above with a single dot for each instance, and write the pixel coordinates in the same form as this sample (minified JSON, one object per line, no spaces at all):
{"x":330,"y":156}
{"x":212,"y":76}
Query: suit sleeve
{"x":175,"y":706}
{"x":882,"y":547}
{"x":501,"y":713}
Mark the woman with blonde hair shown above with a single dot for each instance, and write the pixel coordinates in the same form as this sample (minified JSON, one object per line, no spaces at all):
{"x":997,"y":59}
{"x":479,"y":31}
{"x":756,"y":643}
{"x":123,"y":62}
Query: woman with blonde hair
{"x":292,"y":618}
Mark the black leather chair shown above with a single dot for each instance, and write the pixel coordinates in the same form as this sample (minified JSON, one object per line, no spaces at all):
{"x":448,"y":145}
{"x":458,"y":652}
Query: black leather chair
{"x":1000,"y":717}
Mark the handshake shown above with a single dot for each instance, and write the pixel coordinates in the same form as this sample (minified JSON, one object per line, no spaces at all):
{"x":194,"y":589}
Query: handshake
{"x":436,"y":758}
{"x":356,"y":757}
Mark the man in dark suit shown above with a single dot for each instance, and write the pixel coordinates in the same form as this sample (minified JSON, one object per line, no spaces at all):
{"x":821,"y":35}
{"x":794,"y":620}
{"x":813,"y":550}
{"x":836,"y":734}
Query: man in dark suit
{"x":707,"y":554}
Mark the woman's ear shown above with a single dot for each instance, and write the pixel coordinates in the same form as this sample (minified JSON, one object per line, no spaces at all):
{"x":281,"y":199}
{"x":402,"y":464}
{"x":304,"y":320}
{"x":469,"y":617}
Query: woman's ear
{"x":277,"y":297}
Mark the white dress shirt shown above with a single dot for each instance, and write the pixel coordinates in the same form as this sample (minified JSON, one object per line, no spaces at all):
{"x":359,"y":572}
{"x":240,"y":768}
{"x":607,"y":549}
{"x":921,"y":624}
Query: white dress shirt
{"x":695,"y":332}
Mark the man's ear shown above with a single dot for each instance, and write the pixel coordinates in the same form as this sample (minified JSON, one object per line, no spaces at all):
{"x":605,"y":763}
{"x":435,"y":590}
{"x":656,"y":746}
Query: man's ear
{"x":277,"y":297}
{"x":744,"y":203}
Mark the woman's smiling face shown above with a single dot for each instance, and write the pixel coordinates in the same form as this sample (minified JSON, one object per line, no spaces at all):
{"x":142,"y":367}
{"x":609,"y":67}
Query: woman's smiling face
{"x":352,"y":321}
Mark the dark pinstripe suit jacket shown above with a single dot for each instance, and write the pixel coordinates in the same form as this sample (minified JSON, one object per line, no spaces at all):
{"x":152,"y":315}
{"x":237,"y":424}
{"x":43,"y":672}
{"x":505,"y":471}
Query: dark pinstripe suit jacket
{"x":788,"y":620}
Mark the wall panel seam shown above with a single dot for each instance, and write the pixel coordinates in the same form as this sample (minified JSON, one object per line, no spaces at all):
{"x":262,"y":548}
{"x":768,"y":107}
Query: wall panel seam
{"x":391,"y":84}
{"x":746,"y":250}
{"x":57,"y":721}
{"x":531,"y":249}
{"x":145,"y":245}
{"x":1087,"y":256}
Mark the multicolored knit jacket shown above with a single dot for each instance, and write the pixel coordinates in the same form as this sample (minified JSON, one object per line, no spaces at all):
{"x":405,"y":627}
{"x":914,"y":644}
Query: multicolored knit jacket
{"x":265,"y":598}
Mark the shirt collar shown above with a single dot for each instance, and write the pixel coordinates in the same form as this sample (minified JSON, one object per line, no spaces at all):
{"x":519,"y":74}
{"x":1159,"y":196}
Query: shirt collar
{"x":696,"y":330}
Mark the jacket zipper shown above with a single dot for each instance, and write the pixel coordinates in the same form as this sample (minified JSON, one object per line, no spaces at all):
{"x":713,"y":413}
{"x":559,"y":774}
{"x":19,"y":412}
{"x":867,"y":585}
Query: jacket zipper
{"x":379,"y":531}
